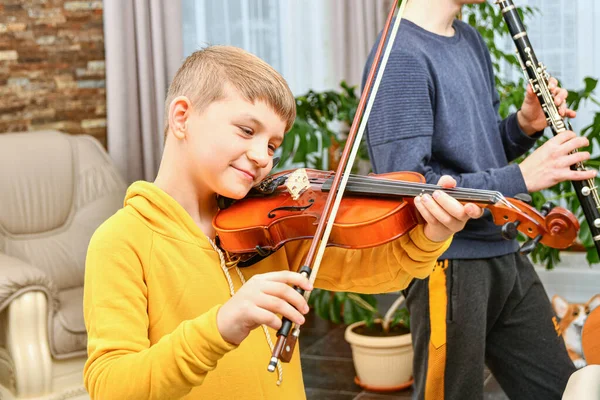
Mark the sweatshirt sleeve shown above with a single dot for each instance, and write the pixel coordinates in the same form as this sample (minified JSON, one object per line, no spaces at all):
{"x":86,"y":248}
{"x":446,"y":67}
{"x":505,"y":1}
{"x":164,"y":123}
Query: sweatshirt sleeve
{"x":515,"y":141}
{"x":121,"y":363}
{"x":386,"y":268}
{"x":399,"y":133}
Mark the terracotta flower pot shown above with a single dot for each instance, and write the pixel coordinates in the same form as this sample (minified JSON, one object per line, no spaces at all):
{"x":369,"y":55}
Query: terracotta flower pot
{"x":381,"y":363}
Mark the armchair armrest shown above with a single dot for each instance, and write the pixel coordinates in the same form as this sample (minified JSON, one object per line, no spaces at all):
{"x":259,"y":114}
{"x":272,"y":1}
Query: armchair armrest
{"x":29,"y":298}
{"x":18,"y":277}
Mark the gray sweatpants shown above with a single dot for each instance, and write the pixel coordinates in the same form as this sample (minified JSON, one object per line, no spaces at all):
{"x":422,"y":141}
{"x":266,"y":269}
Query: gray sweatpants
{"x":496,"y":312}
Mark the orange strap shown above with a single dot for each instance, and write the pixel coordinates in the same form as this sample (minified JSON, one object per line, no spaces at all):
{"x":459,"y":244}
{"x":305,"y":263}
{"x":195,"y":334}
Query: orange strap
{"x":436,"y":363}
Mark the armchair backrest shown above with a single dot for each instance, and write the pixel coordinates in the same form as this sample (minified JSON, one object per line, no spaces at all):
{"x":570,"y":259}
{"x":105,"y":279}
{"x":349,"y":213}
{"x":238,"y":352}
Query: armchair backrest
{"x":55,"y":190}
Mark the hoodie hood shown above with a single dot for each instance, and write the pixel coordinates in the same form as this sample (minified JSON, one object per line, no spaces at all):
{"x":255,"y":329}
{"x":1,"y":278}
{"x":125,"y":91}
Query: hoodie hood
{"x":161,"y":213}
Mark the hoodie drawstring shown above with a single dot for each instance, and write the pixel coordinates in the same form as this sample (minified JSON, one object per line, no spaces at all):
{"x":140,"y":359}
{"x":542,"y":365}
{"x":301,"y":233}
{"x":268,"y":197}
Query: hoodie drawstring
{"x":226,"y":269}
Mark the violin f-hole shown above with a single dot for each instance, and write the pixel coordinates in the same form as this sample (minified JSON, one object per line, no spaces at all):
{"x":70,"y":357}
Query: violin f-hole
{"x":272,"y":214}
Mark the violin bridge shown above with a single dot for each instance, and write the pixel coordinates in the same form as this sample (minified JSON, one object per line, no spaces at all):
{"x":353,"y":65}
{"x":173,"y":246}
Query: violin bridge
{"x":297,"y":182}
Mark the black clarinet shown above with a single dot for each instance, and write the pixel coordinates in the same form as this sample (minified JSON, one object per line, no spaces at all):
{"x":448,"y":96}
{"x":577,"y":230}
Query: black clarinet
{"x":535,"y":72}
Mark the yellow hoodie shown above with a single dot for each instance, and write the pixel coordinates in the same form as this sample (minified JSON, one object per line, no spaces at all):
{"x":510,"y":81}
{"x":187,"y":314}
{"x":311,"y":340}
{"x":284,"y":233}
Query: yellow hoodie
{"x":154,"y":284}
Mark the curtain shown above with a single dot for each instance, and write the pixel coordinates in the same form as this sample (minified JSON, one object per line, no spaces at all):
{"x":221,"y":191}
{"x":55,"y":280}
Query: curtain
{"x":354,"y":29}
{"x":143,"y":46}
{"x":314,"y":44}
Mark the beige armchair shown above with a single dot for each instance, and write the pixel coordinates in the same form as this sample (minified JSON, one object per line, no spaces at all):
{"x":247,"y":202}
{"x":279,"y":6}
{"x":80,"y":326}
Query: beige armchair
{"x":55,"y":190}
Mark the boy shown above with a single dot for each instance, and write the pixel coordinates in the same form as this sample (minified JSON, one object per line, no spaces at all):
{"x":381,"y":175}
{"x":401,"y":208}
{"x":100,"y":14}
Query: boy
{"x":166,"y":316}
{"x":485,"y":304}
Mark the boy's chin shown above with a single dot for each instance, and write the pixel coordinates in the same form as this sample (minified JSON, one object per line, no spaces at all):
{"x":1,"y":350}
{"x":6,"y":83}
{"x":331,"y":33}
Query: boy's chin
{"x":236,"y":193}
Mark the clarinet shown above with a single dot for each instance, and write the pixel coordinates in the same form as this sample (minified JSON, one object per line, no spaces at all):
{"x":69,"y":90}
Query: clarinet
{"x":535,"y":72}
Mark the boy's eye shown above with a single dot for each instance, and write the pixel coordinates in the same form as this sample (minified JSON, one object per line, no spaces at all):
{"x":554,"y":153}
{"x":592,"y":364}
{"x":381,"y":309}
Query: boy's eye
{"x":247,"y":131}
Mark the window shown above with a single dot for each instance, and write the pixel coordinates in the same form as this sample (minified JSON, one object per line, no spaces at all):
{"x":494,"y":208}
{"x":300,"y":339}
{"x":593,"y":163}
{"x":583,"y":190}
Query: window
{"x":250,"y":24}
{"x":566,"y":38}
{"x":290,"y":35}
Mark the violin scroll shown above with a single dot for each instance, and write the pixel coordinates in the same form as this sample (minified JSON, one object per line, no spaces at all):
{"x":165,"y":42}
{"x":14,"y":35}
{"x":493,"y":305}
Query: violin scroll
{"x":553,"y":226}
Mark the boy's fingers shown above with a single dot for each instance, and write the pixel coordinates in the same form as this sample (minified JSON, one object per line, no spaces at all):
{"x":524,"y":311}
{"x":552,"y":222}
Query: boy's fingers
{"x":288,"y":294}
{"x":473,"y":211}
{"x":574,"y":144}
{"x":289,"y":277}
{"x":560,"y":96}
{"x":444,"y":213}
{"x":281,"y":307}
{"x":562,"y":137}
{"x":447,"y":205}
{"x":529,"y":89}
{"x":574,"y":158}
{"x":580,"y":175}
{"x":424,"y":212}
{"x":447,"y":181}
{"x":263,"y":317}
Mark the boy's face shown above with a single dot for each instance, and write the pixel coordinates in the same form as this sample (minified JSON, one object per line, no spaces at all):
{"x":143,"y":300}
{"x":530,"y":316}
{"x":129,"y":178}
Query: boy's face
{"x":232,"y":144}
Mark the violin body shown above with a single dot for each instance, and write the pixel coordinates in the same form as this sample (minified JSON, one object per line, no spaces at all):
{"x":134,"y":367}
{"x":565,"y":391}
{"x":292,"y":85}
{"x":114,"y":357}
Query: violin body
{"x":376,"y":209}
{"x":277,"y":218}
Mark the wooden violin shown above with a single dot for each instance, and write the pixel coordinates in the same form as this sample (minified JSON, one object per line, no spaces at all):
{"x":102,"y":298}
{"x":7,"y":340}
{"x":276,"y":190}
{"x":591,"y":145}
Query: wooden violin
{"x":375,"y":209}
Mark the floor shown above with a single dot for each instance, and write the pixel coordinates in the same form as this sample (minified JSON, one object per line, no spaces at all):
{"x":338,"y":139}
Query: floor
{"x":329,"y":372}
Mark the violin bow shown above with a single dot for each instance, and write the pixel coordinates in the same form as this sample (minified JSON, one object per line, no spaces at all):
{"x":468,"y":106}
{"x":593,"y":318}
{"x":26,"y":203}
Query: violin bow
{"x":285,"y":345}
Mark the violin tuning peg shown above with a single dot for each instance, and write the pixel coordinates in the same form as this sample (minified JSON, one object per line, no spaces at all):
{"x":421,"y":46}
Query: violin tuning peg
{"x":547,"y":207}
{"x":529,"y":246}
{"x":524,"y":197}
{"x":509,"y":230}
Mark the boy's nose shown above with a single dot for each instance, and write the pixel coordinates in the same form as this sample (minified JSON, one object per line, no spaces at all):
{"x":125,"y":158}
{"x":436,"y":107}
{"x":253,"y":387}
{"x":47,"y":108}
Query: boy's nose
{"x":260,"y":157}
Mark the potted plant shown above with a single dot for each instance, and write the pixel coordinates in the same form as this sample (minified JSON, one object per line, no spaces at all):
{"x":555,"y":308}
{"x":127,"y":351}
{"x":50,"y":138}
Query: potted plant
{"x":381,"y":344}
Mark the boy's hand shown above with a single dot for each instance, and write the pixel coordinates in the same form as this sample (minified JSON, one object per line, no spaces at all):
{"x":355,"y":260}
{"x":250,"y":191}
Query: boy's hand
{"x":549,"y":164}
{"x":531,"y":117}
{"x":259,"y":300}
{"x":443,"y":214}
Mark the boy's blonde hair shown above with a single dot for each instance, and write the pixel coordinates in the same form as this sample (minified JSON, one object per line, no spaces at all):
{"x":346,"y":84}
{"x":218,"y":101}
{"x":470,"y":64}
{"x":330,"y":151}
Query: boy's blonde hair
{"x":203,"y":75}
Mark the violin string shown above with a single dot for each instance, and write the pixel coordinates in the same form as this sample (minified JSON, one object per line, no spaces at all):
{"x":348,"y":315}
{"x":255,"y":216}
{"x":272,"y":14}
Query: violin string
{"x":414,"y":189}
{"x":419,"y":188}
{"x":325,"y":175}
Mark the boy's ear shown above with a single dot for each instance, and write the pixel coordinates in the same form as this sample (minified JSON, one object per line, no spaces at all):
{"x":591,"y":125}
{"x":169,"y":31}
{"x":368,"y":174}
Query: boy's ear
{"x":594,"y":302}
{"x":560,"y":306}
{"x":179,"y":112}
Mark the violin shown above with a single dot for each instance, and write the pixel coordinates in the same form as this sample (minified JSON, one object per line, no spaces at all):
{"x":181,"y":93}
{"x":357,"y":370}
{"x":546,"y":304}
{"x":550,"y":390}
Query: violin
{"x":375,"y":210}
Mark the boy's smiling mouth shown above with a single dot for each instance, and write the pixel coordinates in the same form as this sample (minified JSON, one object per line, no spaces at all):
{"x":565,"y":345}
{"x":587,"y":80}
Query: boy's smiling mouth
{"x":247,"y":174}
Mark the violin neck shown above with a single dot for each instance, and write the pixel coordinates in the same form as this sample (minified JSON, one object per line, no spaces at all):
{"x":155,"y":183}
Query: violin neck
{"x":369,"y":186}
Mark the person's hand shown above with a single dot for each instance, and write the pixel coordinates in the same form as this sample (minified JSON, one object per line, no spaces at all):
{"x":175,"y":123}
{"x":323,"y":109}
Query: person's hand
{"x":531,"y":117}
{"x":259,"y":300}
{"x":443,"y":214}
{"x":549,"y":164}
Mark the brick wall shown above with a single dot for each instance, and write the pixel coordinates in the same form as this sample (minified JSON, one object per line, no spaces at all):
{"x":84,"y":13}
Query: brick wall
{"x":52,"y":66}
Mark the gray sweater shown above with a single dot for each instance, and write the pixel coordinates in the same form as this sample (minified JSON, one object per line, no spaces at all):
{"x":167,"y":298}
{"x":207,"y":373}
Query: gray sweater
{"x":436,"y":112}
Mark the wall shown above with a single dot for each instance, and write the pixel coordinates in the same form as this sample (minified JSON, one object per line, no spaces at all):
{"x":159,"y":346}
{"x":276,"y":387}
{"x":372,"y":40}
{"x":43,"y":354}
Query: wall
{"x":52,"y":67}
{"x":572,"y":279}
